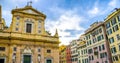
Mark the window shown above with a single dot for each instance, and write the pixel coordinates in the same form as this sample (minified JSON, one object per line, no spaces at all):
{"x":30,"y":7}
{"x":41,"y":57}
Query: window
{"x":90,"y":42}
{"x":89,"y":57}
{"x":39,"y":50}
{"x":94,"y":40}
{"x":2,"y":48}
{"x":97,"y":62}
{"x":100,"y":37}
{"x":118,"y":17}
{"x":113,"y":21}
{"x":103,"y":47}
{"x":17,"y":23}
{"x":106,"y":61}
{"x":109,"y":31}
{"x":48,"y":51}
{"x":115,"y":28}
{"x":39,"y":26}
{"x":116,"y":58}
{"x":99,"y":48}
{"x":76,"y":59}
{"x":111,"y":40}
{"x":14,"y":48}
{"x":82,"y":52}
{"x":87,"y":37}
{"x":100,"y":30}
{"x":113,"y":50}
{"x":118,"y":37}
{"x":39,"y":31}
{"x":90,"y":51}
{"x":17,"y":18}
{"x":103,"y":55}
{"x":108,"y":25}
{"x":87,"y":43}
{"x":119,"y":47}
{"x":28,"y":28}
{"x":16,"y":29}
{"x":92,"y":58}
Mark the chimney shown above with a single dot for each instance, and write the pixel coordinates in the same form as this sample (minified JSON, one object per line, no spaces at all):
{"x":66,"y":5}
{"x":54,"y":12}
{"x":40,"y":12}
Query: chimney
{"x":0,"y":13}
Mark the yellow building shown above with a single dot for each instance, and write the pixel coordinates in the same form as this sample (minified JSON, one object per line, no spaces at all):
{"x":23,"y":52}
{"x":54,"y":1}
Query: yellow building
{"x":26,"y":40}
{"x":112,"y":23}
{"x":62,"y":52}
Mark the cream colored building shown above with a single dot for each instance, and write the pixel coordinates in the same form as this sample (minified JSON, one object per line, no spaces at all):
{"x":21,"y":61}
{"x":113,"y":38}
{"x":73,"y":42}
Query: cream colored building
{"x":26,"y":40}
{"x":82,"y":50}
{"x":74,"y":53}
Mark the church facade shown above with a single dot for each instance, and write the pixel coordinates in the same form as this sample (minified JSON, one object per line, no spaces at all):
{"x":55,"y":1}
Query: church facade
{"x":26,"y":40}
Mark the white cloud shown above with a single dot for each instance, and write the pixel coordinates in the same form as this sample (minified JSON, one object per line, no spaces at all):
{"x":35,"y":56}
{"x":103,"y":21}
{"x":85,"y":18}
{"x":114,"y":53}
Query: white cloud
{"x":113,"y":3}
{"x":94,"y":11}
{"x":68,"y":20}
{"x":7,"y":16}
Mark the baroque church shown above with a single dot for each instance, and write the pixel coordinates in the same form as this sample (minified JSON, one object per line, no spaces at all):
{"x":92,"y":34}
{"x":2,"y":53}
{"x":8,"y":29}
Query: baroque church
{"x":26,"y":40}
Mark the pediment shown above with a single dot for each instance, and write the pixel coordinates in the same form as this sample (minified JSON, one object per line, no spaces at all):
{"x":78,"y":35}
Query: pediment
{"x":27,"y":50}
{"x":29,"y":11}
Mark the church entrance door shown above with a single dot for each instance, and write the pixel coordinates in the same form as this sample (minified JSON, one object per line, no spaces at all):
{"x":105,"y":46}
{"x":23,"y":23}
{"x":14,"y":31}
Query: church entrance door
{"x":49,"y":61}
{"x":2,"y":60}
{"x":27,"y":59}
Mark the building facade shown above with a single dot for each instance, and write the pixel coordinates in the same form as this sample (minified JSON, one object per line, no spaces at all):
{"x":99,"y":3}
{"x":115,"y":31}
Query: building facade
{"x":26,"y":40}
{"x":112,"y":25}
{"x":68,"y":54}
{"x":62,"y":53}
{"x":74,"y":53}
{"x":97,"y":44}
{"x":82,"y":51}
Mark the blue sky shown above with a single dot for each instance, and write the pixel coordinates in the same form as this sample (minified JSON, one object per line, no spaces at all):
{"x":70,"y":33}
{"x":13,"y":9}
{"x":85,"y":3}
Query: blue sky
{"x":70,"y":17}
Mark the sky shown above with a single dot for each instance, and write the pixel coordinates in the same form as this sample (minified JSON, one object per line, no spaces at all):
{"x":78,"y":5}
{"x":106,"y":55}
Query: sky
{"x":70,"y":17}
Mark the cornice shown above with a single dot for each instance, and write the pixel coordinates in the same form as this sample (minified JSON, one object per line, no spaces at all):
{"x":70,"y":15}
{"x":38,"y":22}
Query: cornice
{"x":13,"y":36}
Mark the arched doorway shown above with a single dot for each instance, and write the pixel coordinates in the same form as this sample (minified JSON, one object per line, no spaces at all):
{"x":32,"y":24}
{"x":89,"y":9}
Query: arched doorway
{"x":49,"y":59}
{"x":27,"y":55}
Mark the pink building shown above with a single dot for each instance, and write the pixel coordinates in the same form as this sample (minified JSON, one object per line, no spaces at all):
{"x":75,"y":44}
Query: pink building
{"x":68,"y":54}
{"x":97,"y":45}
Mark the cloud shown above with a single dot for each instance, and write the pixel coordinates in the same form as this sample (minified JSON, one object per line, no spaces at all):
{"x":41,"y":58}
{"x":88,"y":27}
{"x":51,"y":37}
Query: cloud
{"x":94,"y":11}
{"x":68,"y":20}
{"x":113,"y":3}
{"x":7,"y":16}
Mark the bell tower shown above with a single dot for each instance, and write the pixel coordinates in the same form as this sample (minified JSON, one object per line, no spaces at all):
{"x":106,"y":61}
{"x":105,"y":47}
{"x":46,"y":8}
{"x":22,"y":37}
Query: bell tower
{"x":0,"y":13}
{"x":1,"y":24}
